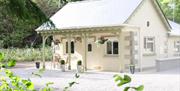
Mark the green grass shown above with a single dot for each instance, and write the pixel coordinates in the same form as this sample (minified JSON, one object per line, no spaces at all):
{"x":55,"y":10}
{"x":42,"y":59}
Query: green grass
{"x":26,"y":54}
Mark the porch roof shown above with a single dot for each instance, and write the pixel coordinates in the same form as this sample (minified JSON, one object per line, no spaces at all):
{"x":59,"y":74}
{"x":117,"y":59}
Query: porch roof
{"x":91,"y":29}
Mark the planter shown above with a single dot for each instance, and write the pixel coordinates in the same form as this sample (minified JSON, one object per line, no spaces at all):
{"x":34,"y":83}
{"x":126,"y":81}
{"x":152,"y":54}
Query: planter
{"x":37,"y":65}
{"x":62,"y":62}
{"x":63,"y":68}
{"x":132,"y":69}
{"x":79,"y":66}
{"x":79,"y":69}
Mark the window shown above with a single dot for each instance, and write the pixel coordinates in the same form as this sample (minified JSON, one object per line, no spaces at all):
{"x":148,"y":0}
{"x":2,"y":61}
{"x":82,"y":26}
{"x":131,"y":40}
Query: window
{"x":89,"y":47}
{"x":72,"y":47}
{"x":112,"y":47}
{"x":148,"y":23}
{"x":177,"y":46}
{"x":149,"y":44}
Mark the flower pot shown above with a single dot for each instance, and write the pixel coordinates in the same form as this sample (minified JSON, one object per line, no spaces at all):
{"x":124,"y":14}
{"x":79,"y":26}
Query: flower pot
{"x":63,"y":68}
{"x":37,"y":65}
{"x":132,"y":69}
{"x":79,"y":68}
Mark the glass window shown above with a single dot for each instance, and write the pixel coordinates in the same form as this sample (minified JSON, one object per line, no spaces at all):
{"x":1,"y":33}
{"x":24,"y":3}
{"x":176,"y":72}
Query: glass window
{"x":177,"y":46}
{"x":89,"y":47}
{"x":109,"y":47}
{"x":149,"y":44}
{"x":115,"y":47}
{"x":112,"y":47}
{"x":72,"y":47}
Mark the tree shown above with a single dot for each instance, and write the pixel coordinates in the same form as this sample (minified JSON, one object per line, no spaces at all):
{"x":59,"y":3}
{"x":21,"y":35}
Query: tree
{"x":171,"y":9}
{"x":19,"y":19}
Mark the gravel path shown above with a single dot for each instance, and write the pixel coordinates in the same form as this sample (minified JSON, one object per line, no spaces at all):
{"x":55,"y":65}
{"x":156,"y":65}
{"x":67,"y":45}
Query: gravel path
{"x":103,"y":81}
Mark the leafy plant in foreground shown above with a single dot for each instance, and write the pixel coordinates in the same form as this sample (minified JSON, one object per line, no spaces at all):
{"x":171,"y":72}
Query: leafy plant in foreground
{"x":125,"y":80}
{"x":72,"y":83}
{"x":8,"y":63}
{"x":11,"y":82}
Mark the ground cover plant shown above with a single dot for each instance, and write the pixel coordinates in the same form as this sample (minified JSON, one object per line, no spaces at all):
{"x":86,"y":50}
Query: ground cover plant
{"x":26,"y":54}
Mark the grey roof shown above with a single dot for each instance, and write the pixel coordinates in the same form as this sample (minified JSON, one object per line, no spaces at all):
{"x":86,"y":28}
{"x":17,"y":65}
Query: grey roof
{"x":93,"y":13}
{"x":175,"y":28}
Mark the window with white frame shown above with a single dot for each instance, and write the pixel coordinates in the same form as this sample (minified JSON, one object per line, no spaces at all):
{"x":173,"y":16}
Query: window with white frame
{"x":149,"y":44}
{"x":112,"y":47}
{"x":177,"y":46}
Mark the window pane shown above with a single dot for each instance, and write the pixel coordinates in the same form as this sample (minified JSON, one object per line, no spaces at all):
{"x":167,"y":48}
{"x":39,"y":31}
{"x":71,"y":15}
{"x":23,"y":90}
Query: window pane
{"x":66,"y":47}
{"x":109,"y":47}
{"x":150,"y":46}
{"x":89,"y":47}
{"x":115,"y":48}
{"x":72,"y":47}
{"x":144,"y":43}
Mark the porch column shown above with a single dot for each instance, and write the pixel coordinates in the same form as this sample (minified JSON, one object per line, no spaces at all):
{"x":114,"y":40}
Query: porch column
{"x":69,"y":51}
{"x":85,"y":52}
{"x":121,"y":48}
{"x":43,"y":49}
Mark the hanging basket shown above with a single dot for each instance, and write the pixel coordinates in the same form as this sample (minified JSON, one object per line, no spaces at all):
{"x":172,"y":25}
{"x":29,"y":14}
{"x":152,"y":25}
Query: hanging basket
{"x":101,"y":40}
{"x":78,"y":39}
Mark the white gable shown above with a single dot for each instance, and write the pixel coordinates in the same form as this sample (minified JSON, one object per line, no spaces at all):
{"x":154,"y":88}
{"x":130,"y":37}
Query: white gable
{"x":93,"y":13}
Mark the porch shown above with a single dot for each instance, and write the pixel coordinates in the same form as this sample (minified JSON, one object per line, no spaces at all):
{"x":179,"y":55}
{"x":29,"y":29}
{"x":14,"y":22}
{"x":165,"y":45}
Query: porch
{"x":123,"y":37}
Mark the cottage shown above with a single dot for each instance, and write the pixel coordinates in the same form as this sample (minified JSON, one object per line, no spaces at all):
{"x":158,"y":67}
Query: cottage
{"x":111,"y":34}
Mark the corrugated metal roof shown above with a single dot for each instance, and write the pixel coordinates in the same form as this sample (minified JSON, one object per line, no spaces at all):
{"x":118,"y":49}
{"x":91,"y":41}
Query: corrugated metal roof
{"x":93,"y":13}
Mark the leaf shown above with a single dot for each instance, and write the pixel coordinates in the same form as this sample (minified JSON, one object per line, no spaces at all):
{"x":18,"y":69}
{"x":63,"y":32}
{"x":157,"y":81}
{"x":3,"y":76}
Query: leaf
{"x":11,"y":63}
{"x":127,"y":78}
{"x":117,"y":78}
{"x":30,"y":85}
{"x":140,"y":88}
{"x":49,"y":83}
{"x":72,"y":83}
{"x":8,"y":73}
{"x":77,"y":76}
{"x":36,"y":74}
{"x":126,"y":88}
{"x":1,"y":57}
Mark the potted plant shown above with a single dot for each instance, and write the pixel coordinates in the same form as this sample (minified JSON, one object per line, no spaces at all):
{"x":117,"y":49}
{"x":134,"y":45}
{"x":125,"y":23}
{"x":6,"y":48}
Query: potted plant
{"x":101,"y":40}
{"x":132,"y":68}
{"x":62,"y":65}
{"x":79,"y":66}
{"x":37,"y":64}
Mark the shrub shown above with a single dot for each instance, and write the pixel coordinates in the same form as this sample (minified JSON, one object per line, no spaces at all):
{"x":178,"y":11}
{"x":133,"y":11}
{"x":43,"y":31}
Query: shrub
{"x":62,"y":62}
{"x":79,"y":62}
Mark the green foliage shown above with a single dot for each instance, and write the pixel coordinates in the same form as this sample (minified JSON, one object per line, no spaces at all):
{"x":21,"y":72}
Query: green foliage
{"x":79,"y":62}
{"x":11,"y":82}
{"x":167,"y":7}
{"x":125,"y":80}
{"x":8,"y":63}
{"x":62,"y":62}
{"x":26,"y":54}
{"x":48,"y":88}
{"x":1,"y":56}
{"x":39,"y":72}
{"x":72,"y":83}
{"x":11,"y":63}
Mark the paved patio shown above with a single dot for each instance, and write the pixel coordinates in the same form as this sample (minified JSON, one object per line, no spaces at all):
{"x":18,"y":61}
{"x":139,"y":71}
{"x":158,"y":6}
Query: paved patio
{"x":102,"y":81}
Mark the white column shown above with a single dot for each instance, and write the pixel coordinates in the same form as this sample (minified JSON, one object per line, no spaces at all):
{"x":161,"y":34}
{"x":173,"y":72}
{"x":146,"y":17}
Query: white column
{"x":43,"y":50}
{"x":140,"y":50}
{"x":69,"y":51}
{"x":85,"y":52}
{"x":121,"y":53}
